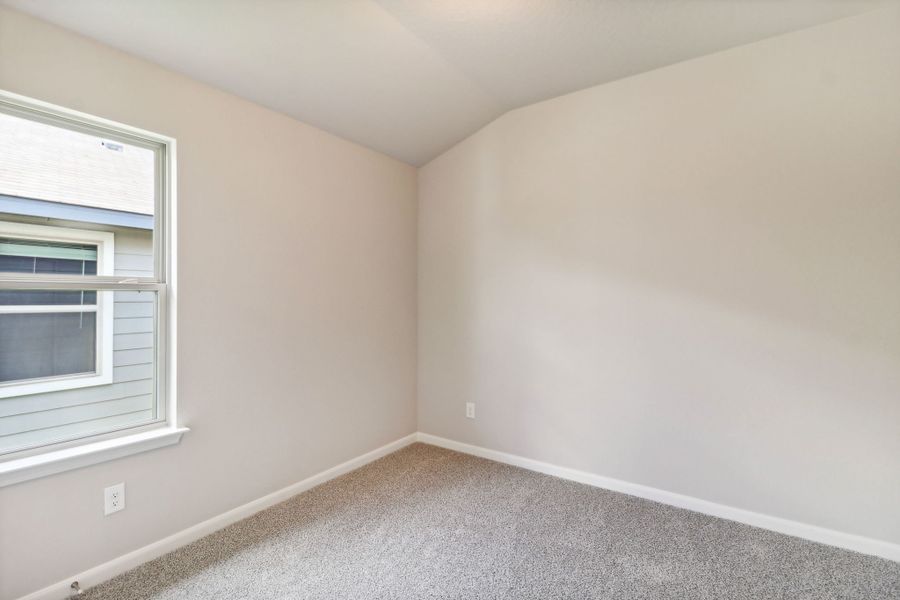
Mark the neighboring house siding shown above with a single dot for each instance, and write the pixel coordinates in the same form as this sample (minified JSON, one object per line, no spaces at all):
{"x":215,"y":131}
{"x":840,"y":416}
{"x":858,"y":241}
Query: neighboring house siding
{"x":129,"y":399}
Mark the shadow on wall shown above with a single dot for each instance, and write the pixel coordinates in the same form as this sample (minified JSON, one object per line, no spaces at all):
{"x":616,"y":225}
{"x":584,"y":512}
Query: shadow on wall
{"x":695,"y":291}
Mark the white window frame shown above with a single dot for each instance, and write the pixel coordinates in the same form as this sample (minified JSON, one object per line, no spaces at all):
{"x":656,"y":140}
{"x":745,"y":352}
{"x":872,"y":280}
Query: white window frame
{"x":103,"y":374}
{"x":53,"y":458}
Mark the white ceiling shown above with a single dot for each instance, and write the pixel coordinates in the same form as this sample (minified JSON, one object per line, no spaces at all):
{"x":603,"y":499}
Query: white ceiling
{"x":412,"y":77}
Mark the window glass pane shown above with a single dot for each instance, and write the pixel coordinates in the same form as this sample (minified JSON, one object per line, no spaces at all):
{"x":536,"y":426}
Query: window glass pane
{"x":75,"y":204}
{"x":45,"y":249}
{"x":19,"y":255}
{"x":47,"y":297}
{"x":56,"y":177}
{"x":47,"y":266}
{"x":72,"y":373}
{"x":36,"y":345}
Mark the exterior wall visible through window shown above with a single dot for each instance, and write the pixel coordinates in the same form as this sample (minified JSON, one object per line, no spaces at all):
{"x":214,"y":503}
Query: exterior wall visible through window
{"x":83,"y":285}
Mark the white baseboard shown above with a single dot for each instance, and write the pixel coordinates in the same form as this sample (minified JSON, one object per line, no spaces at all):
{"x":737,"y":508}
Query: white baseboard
{"x":108,"y":570}
{"x":813,"y":533}
{"x":101,"y":573}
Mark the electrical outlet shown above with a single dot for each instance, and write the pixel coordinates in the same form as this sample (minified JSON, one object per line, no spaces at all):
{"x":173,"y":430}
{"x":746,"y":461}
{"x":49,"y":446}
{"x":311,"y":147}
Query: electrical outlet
{"x":470,"y":410}
{"x":113,"y":498}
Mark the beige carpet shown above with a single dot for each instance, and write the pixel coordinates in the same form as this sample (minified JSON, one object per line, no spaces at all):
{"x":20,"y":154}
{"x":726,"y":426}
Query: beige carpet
{"x":430,"y":523}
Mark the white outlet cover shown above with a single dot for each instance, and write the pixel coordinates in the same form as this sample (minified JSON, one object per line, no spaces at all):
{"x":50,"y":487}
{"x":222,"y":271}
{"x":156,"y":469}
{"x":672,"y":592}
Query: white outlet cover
{"x":470,"y":410}
{"x":113,"y":498}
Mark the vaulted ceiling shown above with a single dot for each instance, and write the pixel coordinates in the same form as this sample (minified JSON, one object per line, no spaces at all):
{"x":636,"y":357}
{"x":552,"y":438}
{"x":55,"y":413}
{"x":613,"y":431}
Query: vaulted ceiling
{"x":412,"y":77}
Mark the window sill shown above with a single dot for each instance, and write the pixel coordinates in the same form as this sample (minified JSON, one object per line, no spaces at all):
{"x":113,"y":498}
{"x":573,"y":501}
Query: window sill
{"x":41,"y":465}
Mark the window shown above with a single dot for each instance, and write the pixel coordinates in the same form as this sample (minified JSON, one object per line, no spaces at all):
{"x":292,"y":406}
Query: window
{"x":54,"y":339}
{"x":86,"y":318}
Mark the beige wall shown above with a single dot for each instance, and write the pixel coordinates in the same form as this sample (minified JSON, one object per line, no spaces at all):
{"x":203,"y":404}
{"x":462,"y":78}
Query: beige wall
{"x":688,"y":279}
{"x":296,"y":308}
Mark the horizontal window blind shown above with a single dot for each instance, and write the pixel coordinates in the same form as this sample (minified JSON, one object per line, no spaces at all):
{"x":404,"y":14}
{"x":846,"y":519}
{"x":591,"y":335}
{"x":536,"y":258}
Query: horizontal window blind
{"x":41,"y":249}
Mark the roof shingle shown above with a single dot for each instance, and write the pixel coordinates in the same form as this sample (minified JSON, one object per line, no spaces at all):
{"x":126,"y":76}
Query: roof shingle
{"x":45,"y":162}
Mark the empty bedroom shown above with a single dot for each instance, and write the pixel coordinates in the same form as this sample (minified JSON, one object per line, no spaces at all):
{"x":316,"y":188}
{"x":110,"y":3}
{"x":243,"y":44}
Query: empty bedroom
{"x":450,"y":299}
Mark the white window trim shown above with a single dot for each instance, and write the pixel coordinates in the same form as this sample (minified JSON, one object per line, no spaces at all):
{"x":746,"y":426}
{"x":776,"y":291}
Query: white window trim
{"x":58,"y":461}
{"x":103,"y":375}
{"x":74,"y":454}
